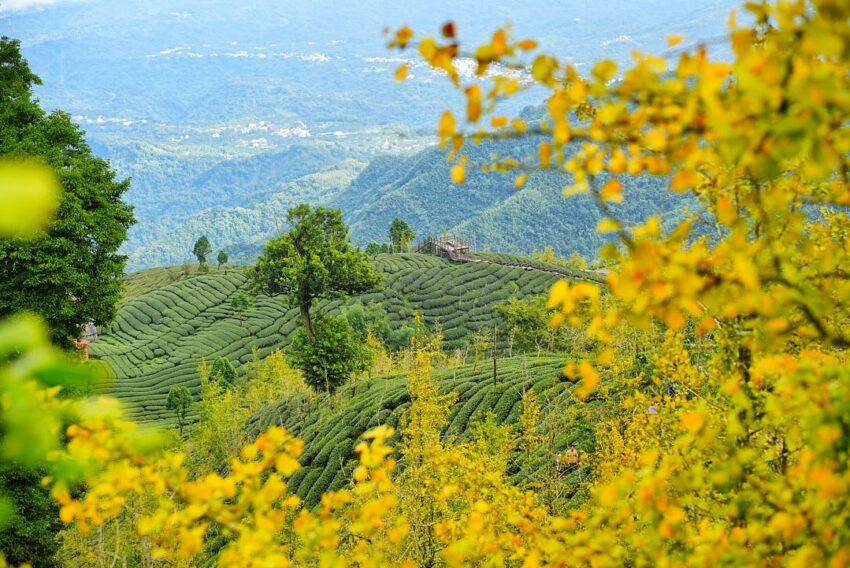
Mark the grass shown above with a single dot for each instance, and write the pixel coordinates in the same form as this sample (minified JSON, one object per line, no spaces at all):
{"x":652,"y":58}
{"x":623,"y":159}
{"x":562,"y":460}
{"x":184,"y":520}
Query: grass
{"x":169,"y":321}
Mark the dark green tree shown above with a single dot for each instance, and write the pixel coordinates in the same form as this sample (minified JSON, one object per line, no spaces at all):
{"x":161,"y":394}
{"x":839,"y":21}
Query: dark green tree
{"x":180,"y":401}
{"x":374,"y":317}
{"x":401,"y":235}
{"x":202,"y":249}
{"x":332,"y":356}
{"x":374,"y":248}
{"x":527,"y":322}
{"x":72,"y":274}
{"x":222,"y":258}
{"x":243,"y":303}
{"x":29,"y":535}
{"x":224,"y":371}
{"x":315,"y":259}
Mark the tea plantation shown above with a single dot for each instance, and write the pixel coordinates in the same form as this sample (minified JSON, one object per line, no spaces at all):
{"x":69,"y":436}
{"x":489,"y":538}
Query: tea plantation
{"x":330,"y":434}
{"x":169,"y":321}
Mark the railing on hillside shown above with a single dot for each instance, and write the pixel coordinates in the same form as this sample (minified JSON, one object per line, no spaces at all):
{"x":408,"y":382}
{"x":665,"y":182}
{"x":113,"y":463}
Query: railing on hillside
{"x":449,"y":246}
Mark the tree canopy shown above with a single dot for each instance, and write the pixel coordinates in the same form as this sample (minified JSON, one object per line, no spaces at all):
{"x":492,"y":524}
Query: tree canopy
{"x":180,"y":401}
{"x":202,"y":249}
{"x":223,"y":371}
{"x":332,"y":356}
{"x":314,"y":259}
{"x":401,"y":235}
{"x":71,"y":274}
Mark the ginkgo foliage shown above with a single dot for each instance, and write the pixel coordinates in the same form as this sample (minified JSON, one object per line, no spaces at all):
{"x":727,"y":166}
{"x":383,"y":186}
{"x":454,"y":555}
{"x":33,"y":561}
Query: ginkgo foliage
{"x":743,"y":457}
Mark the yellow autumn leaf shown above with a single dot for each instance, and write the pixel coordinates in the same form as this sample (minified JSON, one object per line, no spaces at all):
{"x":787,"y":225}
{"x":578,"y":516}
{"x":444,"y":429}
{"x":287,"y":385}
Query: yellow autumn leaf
{"x":458,"y":174}
{"x":692,"y":421}
{"x":612,"y":191}
{"x":520,"y":181}
{"x":401,"y":72}
{"x":607,"y":225}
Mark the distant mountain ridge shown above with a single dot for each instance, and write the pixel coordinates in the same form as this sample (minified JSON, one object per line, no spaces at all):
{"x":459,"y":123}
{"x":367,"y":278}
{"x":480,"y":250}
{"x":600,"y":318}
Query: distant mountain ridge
{"x":488,"y":209}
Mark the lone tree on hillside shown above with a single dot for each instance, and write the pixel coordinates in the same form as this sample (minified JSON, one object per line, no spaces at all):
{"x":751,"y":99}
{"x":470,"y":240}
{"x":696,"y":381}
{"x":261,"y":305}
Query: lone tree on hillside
{"x":243,"y":303}
{"x":333,"y":355}
{"x":315,"y":259}
{"x":202,"y":249}
{"x":180,"y":401}
{"x":401,"y":235}
{"x":72,"y":274}
{"x":222,"y":258}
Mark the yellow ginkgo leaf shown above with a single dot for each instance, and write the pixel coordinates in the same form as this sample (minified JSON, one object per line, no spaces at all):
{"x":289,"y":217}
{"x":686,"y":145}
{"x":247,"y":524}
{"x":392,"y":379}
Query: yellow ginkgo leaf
{"x":520,"y":181}
{"x":612,"y":191}
{"x":458,"y":174}
{"x":607,"y":225}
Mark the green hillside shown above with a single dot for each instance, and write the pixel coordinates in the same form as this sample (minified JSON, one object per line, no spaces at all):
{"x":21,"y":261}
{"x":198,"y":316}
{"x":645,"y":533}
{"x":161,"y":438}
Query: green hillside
{"x":165,"y":327}
{"x":330,"y":434}
{"x":487,"y":208}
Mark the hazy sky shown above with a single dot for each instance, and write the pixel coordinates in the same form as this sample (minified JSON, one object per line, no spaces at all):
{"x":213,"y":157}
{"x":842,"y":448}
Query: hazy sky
{"x":20,"y":5}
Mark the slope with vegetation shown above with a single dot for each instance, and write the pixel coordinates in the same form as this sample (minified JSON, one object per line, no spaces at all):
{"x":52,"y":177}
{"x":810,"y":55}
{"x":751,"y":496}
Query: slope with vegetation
{"x":161,"y":334}
{"x":488,"y":208}
{"x":330,"y":434}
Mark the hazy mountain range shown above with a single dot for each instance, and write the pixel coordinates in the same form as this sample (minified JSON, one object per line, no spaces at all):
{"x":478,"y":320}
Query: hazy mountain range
{"x":225,"y":113}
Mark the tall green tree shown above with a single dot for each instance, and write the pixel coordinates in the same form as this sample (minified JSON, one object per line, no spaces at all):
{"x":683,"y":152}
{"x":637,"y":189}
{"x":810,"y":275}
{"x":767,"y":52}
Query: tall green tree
{"x":223,"y":257}
{"x":202,"y":249}
{"x":313,"y":260}
{"x":179,"y":401}
{"x":71,"y":274}
{"x":243,"y":303}
{"x":332,"y":356}
{"x":30,"y":534}
{"x":223,"y":371}
{"x":401,"y":235}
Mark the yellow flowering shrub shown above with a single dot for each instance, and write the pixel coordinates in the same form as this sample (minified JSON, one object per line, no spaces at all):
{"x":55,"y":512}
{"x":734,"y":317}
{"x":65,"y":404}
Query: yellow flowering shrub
{"x":732,"y":445}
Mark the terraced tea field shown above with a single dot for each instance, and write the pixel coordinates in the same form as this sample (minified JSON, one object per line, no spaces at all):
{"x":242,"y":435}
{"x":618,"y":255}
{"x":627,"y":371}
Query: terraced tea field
{"x":331,"y":434}
{"x":169,"y":321}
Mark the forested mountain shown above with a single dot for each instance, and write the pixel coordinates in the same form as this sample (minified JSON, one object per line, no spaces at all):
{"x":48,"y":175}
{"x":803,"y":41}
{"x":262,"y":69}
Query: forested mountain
{"x":488,"y":209}
{"x":206,"y":202}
